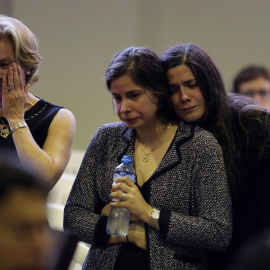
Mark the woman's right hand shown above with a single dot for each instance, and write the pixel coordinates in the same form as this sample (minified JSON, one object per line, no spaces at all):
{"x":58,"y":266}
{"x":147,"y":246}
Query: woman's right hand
{"x":15,"y":100}
{"x":136,"y":234}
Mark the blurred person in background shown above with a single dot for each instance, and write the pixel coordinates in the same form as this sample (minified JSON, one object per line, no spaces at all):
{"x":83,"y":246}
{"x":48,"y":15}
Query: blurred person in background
{"x":254,"y":81}
{"x":25,"y":237}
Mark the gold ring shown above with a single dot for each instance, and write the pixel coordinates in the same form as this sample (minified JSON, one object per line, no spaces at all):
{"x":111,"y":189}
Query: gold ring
{"x":124,"y":196}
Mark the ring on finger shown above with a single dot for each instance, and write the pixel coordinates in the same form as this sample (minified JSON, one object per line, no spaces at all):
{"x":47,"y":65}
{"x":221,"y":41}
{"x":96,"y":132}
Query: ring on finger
{"x":124,"y":196}
{"x":10,"y":87}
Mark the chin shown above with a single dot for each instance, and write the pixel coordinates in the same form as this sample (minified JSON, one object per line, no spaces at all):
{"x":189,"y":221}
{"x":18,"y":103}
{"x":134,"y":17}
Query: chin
{"x":190,"y":119}
{"x":131,"y":126}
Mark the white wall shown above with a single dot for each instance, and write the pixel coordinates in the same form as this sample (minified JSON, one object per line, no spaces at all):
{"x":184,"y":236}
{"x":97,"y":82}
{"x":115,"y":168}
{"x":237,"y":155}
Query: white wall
{"x":78,"y":39}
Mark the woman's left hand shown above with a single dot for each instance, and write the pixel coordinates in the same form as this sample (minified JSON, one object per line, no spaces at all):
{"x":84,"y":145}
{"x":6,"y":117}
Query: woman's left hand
{"x":133,"y":200}
{"x":106,"y":210}
{"x":136,"y":234}
{"x":14,"y":96}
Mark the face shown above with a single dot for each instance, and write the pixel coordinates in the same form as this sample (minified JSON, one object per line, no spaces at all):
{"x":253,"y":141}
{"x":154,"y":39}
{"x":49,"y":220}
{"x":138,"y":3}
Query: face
{"x":134,"y":105}
{"x":259,"y":89}
{"x":24,"y":232}
{"x":186,"y":96}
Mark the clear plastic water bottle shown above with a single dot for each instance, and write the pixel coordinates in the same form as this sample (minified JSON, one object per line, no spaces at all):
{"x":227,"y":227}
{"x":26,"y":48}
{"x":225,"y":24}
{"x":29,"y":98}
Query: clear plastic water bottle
{"x":118,"y":220}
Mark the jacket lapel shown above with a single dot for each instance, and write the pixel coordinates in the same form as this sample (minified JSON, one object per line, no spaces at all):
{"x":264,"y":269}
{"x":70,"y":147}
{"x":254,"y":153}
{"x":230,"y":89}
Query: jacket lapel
{"x":173,"y":156}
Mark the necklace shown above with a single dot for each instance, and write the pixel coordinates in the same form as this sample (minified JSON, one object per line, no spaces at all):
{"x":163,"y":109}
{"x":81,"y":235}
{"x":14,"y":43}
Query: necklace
{"x":5,"y":130}
{"x":146,"y":155}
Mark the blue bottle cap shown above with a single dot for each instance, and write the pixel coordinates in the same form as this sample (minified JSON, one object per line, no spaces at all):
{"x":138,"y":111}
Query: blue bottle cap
{"x":126,"y":159}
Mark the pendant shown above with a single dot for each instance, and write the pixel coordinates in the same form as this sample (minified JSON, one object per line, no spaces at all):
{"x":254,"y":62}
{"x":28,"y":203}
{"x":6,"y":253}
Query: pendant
{"x":4,"y":132}
{"x":146,"y":158}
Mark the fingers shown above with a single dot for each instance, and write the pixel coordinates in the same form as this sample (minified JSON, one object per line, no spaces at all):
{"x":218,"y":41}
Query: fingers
{"x":120,"y":186}
{"x":14,"y":78}
{"x":10,"y":79}
{"x":18,"y":78}
{"x":4,"y":83}
{"x":106,"y":210}
{"x":125,"y":180}
{"x":118,"y":196}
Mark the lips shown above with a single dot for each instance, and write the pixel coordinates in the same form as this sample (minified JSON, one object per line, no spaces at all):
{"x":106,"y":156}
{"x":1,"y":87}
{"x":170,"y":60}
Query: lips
{"x":188,"y":109}
{"x":129,"y":120}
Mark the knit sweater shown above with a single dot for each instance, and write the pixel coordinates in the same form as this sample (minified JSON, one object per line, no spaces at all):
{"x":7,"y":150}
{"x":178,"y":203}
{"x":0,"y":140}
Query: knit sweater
{"x":189,"y":186}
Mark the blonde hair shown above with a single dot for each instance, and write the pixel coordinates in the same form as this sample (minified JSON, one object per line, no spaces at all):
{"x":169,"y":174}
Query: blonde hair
{"x":25,"y":46}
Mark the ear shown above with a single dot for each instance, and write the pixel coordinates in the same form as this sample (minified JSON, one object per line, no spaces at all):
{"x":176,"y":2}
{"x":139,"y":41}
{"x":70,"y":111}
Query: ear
{"x":27,"y":71}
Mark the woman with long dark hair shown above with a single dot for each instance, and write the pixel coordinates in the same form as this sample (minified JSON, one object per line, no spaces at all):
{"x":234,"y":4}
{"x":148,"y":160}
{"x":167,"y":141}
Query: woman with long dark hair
{"x":240,"y":125}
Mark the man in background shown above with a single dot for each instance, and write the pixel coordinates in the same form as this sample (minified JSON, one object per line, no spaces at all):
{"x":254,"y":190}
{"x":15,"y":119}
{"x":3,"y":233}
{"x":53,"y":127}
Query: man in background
{"x":254,"y":81}
{"x":25,"y":237}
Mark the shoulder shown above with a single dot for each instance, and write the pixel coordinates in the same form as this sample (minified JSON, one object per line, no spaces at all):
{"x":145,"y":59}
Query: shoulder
{"x":112,"y":128}
{"x":61,"y":113}
{"x":64,"y":119}
{"x":203,"y":135}
{"x":65,"y":113}
{"x":199,"y":138}
{"x":108,"y":138}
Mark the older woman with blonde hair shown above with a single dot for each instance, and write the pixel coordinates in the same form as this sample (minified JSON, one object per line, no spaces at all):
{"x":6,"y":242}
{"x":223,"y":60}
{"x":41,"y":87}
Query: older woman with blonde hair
{"x":42,"y":133}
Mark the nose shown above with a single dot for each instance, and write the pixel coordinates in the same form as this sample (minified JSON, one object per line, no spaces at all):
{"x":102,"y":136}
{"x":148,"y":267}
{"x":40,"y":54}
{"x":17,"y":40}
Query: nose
{"x":184,"y":95}
{"x":125,"y":106}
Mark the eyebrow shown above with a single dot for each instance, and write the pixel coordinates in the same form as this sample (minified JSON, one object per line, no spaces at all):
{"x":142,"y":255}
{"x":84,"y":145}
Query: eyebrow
{"x":187,"y":81}
{"x":129,"y":92}
{"x":8,"y":59}
{"x":191,"y":80}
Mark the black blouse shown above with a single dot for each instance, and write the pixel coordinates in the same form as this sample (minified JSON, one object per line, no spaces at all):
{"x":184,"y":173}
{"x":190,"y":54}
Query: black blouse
{"x":38,"y":119}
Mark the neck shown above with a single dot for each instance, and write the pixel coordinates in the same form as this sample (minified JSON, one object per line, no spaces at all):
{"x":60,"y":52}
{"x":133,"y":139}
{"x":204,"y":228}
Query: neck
{"x":152,"y":133}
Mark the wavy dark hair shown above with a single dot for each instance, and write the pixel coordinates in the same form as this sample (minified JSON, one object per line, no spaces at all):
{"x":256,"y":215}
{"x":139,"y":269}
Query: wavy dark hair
{"x":209,"y":79}
{"x":251,"y":132}
{"x":145,"y":69}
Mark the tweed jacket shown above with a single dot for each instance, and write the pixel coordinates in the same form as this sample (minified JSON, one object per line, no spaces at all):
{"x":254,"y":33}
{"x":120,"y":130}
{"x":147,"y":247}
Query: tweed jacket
{"x":189,"y":186}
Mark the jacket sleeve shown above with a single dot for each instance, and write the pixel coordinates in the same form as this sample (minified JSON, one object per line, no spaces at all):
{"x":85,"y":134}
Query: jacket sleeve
{"x":83,"y":207}
{"x":209,"y":224}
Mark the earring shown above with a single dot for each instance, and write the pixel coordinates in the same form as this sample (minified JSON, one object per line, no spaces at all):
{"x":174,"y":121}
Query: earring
{"x":28,"y":72}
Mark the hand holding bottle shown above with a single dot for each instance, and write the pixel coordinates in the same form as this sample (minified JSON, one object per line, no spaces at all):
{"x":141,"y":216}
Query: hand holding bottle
{"x":134,"y":201}
{"x":119,"y":217}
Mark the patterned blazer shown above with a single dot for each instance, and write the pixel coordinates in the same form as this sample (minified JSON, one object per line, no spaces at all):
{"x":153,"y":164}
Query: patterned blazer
{"x":189,"y":186}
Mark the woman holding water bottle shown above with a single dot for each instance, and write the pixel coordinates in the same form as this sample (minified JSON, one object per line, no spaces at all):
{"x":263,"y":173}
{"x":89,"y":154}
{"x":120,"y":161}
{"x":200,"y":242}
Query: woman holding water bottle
{"x":179,"y":205}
